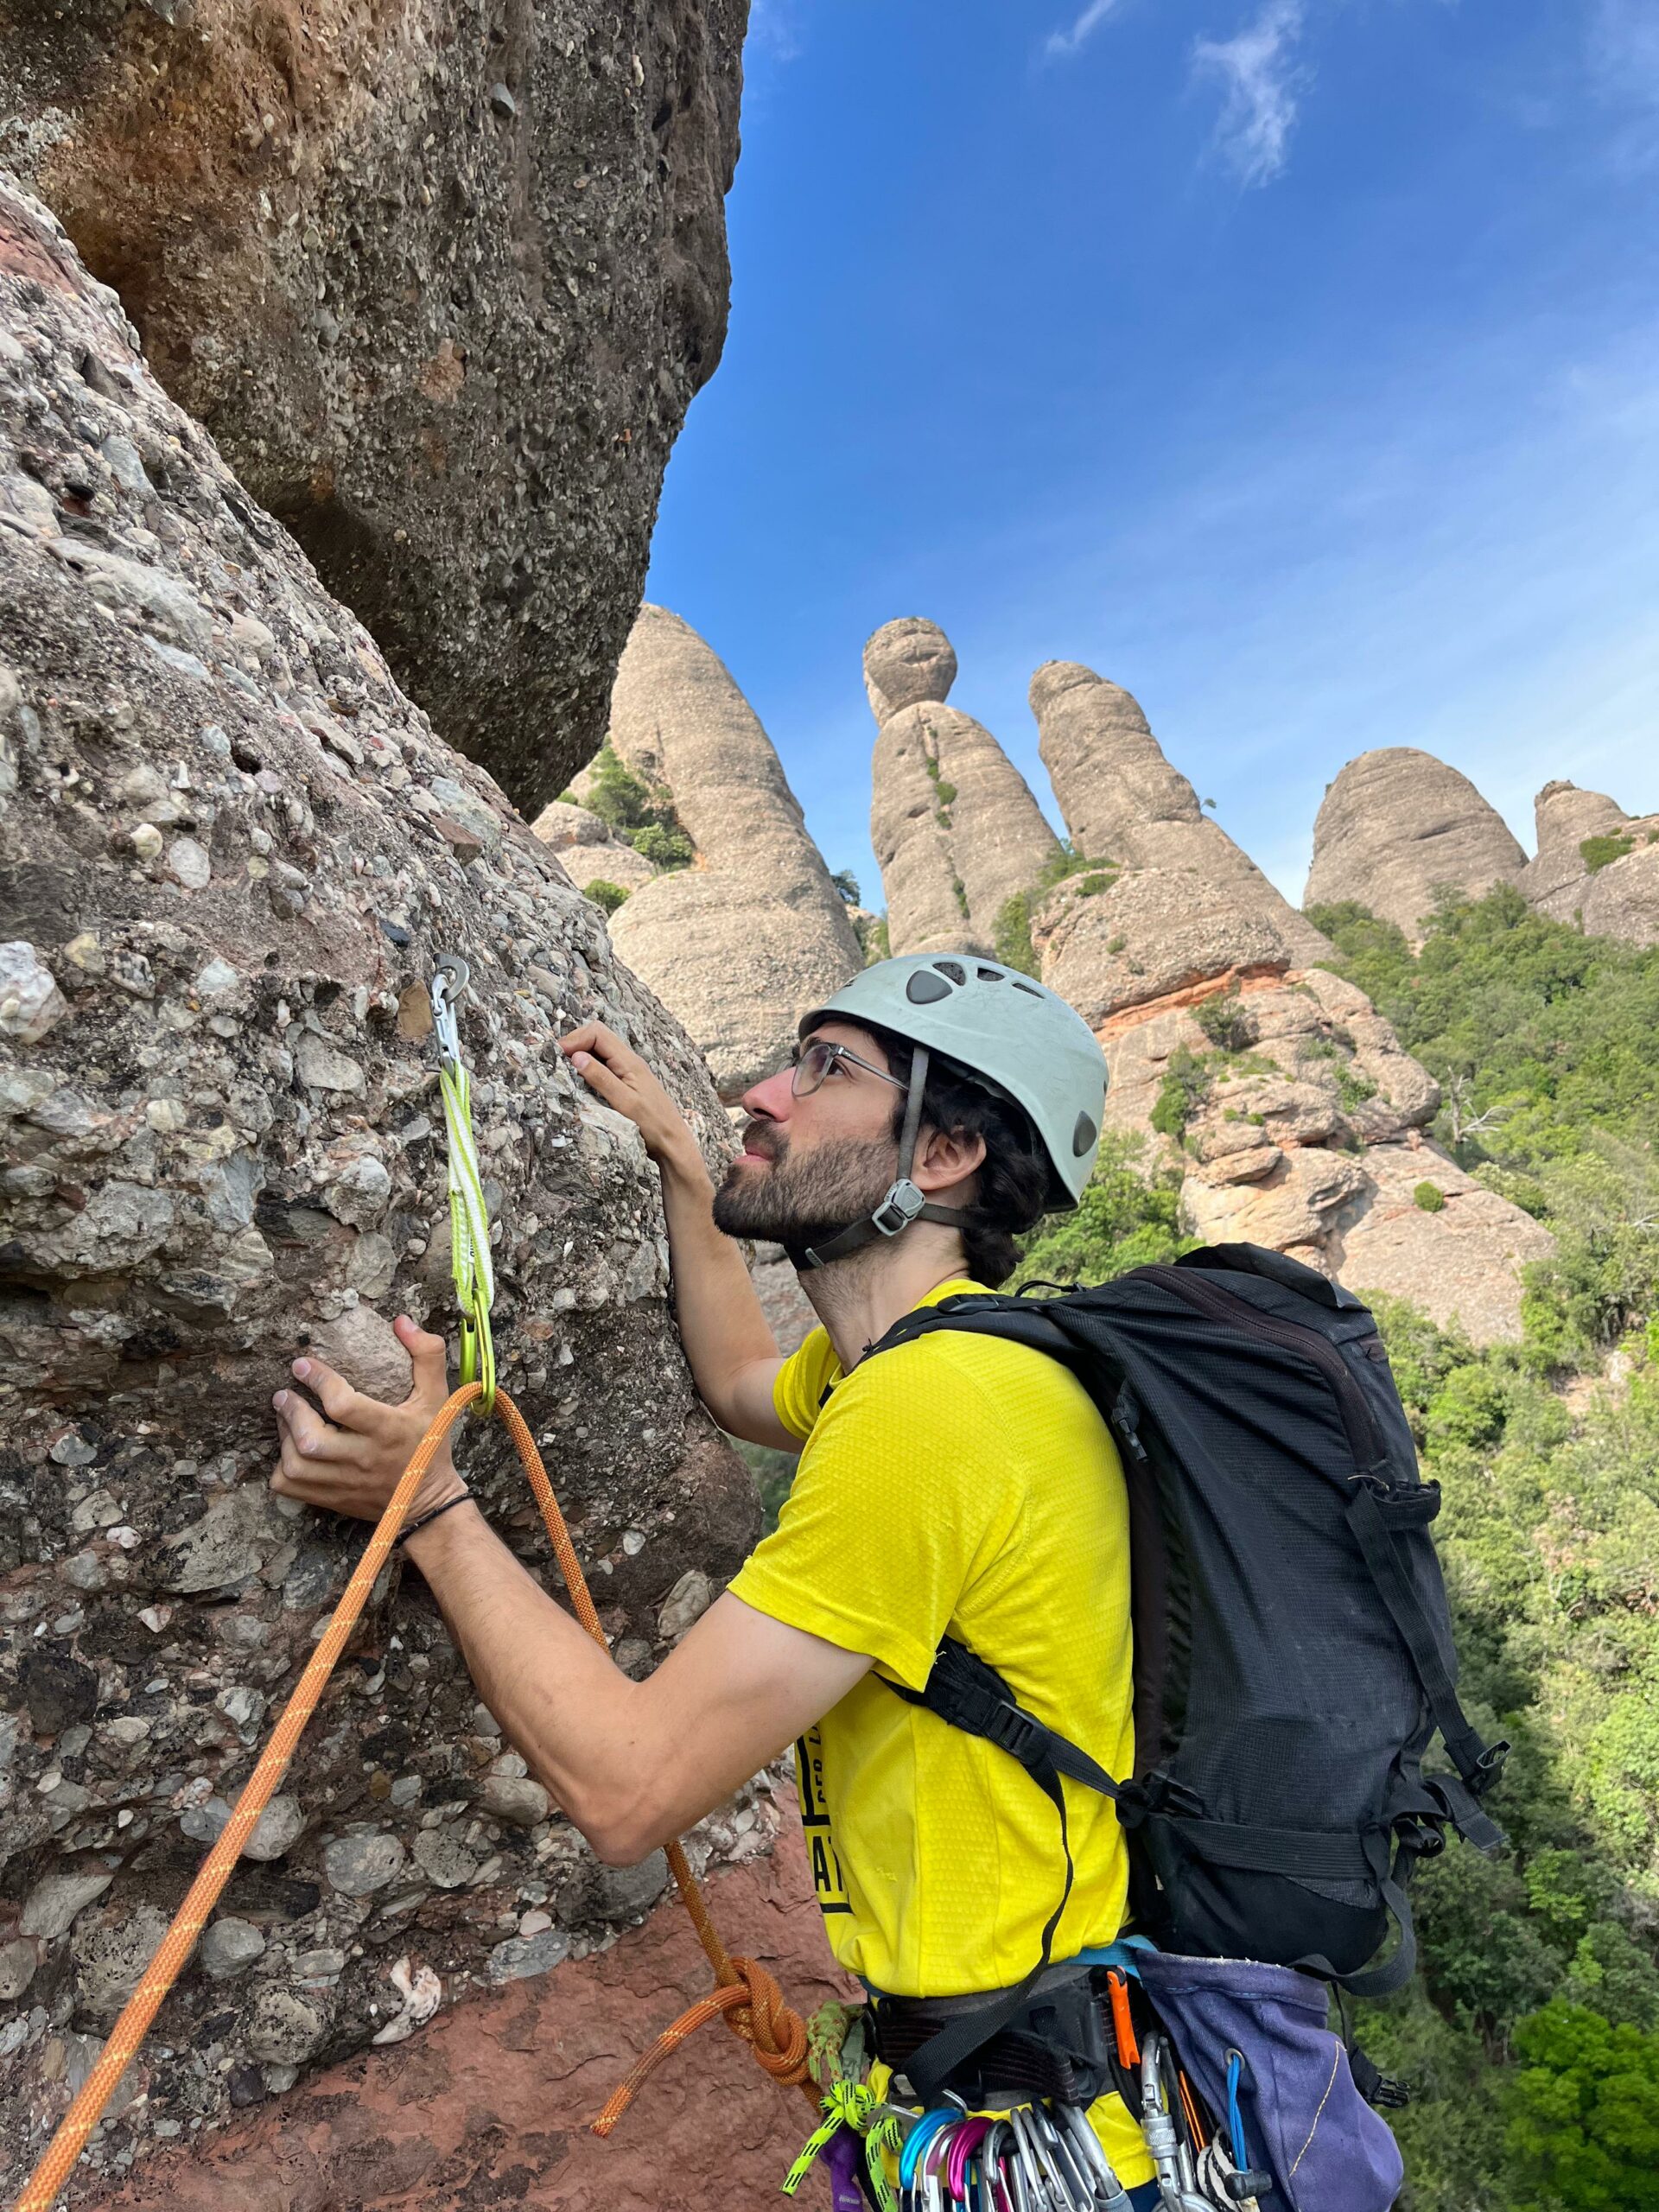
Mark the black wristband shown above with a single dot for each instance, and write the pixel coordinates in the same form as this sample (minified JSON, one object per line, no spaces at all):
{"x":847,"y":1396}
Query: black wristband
{"x":415,"y":1527}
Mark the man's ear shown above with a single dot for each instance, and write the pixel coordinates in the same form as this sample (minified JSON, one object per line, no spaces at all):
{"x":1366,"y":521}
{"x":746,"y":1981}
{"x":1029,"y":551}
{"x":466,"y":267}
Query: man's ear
{"x":945,"y":1159}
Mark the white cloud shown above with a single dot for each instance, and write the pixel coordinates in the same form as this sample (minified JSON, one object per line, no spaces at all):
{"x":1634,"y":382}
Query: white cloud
{"x":1624,"y":61}
{"x":1060,"y":43}
{"x":774,"y":28}
{"x":1261,"y":83}
{"x":1624,"y":48}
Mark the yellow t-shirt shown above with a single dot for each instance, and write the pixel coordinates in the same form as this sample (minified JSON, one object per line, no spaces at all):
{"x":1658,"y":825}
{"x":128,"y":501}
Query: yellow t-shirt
{"x":963,"y":1485}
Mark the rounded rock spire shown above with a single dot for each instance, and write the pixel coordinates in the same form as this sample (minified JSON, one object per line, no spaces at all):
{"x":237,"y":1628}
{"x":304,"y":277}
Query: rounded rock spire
{"x":906,"y":662}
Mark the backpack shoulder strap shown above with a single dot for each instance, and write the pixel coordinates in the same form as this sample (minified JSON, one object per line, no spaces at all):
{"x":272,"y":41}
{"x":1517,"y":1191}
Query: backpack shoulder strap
{"x":962,"y":1690}
{"x":971,"y":1695}
{"x":985,"y":1313}
{"x":1478,"y":1764}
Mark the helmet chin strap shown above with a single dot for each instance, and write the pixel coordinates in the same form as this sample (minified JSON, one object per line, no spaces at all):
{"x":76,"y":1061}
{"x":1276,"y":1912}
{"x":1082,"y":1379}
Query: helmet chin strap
{"x":905,"y":1202}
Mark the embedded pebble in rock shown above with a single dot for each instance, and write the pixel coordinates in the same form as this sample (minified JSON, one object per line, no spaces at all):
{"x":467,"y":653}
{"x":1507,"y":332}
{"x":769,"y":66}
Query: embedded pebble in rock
{"x":18,"y":1961}
{"x":596,"y":1891}
{"x":31,"y":1004}
{"x":520,"y":1956}
{"x":187,"y":864}
{"x":686,"y":1602}
{"x":442,"y":1856}
{"x":111,"y":1946}
{"x":421,"y":1992}
{"x":442,"y":293}
{"x":359,"y":1344}
{"x":275,"y":1830}
{"x":230,"y":1142}
{"x":358,"y":1866}
{"x":517,"y":1800}
{"x":230,"y":1946}
{"x":51,"y":1906}
{"x":286,"y":2026}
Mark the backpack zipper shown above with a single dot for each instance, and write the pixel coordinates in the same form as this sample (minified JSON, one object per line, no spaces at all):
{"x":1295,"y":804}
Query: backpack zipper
{"x":1365,"y":1441}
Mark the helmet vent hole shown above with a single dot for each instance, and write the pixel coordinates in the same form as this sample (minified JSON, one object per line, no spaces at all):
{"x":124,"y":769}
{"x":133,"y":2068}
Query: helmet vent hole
{"x":988,"y":975}
{"x":952,"y":968}
{"x":1082,"y":1136}
{"x":924,"y":988}
{"x":1030,"y":989}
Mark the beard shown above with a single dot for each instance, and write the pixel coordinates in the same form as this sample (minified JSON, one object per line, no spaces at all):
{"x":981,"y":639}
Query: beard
{"x":799,"y":1203}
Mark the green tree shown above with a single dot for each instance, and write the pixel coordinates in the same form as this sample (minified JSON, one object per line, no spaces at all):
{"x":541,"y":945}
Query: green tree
{"x":1127,"y":1218}
{"x":644,"y":816}
{"x":1582,"y":2114}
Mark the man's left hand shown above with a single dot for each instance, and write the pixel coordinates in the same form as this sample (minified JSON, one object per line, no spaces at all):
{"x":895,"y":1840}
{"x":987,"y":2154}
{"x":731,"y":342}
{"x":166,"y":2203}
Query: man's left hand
{"x":351,"y":1462}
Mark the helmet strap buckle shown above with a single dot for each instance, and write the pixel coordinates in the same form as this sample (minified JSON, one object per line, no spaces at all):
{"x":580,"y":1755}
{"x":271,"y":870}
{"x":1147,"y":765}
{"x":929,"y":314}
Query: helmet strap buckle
{"x":903,"y":1203}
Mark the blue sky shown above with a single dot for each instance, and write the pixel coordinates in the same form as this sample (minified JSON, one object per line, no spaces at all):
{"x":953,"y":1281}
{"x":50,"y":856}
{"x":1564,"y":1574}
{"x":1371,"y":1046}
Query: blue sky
{"x":1293,"y":362}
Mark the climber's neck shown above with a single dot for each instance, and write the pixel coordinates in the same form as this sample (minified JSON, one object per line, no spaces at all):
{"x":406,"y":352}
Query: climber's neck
{"x":859,"y":1298}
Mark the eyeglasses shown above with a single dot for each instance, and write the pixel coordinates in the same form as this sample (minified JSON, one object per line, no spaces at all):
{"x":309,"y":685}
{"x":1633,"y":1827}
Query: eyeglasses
{"x":812,"y":1062}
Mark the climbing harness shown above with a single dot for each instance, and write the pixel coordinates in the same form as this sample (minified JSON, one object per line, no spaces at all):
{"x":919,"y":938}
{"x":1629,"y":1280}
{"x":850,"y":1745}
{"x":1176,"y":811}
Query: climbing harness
{"x":746,"y":1996}
{"x":1031,"y":2157}
{"x":470,"y":1263}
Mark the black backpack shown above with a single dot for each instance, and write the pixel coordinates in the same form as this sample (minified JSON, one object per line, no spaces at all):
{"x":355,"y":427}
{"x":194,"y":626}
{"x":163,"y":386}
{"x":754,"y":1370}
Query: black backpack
{"x":1293,"y":1644}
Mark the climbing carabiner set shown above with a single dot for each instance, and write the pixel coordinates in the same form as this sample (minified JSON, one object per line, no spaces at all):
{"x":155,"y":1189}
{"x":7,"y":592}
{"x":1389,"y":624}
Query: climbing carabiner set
{"x":470,"y":1263}
{"x":1033,"y":2158}
{"x":1035,"y":2150}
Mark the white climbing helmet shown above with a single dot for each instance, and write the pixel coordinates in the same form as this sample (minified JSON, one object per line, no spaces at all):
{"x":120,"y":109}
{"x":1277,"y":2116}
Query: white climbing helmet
{"x":1019,"y":1038}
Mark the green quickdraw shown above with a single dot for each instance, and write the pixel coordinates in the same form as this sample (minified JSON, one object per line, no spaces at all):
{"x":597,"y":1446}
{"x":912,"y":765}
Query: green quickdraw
{"x":854,"y":2105}
{"x":469,"y":1216}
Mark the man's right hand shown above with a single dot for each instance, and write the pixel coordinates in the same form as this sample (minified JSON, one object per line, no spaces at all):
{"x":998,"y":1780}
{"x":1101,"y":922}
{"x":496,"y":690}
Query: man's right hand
{"x":616,"y":1074}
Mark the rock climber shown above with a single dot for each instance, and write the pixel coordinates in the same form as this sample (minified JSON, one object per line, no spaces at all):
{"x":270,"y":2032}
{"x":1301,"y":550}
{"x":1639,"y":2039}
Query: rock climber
{"x":934,"y":1110}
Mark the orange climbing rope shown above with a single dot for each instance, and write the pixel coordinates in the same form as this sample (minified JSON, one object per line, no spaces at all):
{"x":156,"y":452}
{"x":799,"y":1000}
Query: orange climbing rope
{"x":745,"y":1997}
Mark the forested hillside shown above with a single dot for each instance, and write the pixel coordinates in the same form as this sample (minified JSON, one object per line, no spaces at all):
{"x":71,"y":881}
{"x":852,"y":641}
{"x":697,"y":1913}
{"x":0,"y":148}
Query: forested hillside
{"x":1531,"y":2041}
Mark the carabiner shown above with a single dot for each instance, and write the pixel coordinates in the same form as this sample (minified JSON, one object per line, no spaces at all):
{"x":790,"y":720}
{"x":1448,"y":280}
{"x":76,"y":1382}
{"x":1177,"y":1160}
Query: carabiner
{"x":1110,"y":2192}
{"x":450,"y":976}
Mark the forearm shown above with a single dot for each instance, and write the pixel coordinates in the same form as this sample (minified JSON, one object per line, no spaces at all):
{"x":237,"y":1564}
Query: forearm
{"x":721,"y":1322}
{"x":631,"y":1764}
{"x":563,"y":1703}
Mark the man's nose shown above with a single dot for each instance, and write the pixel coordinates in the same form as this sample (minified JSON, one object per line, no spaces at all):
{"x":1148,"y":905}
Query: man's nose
{"x":771,"y":1101}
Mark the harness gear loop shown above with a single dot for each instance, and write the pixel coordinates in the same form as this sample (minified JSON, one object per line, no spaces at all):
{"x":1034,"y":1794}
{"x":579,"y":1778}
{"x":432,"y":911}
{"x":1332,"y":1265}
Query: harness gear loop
{"x":748,"y":1997}
{"x":470,"y":1262}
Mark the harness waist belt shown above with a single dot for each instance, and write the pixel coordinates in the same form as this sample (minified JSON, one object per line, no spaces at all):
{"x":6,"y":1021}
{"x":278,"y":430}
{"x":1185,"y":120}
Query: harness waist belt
{"x":1056,"y":2046}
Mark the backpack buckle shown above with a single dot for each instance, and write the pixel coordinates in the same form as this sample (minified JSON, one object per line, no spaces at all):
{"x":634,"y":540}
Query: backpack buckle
{"x":1489,"y":1765}
{"x":1016,"y":1732}
{"x":1164,"y":1794}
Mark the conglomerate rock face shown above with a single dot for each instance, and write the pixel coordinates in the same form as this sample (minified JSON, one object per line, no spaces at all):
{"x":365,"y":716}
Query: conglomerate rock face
{"x":441,"y":280}
{"x":740,"y":943}
{"x":1300,"y":1127}
{"x":229,"y":848}
{"x":1595,"y":865}
{"x":955,"y":830}
{"x":1398,"y":827}
{"x":1123,"y":802}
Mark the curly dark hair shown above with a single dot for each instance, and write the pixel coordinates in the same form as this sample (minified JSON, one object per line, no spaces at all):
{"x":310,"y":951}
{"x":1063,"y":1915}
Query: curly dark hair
{"x":1011,"y":1183}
